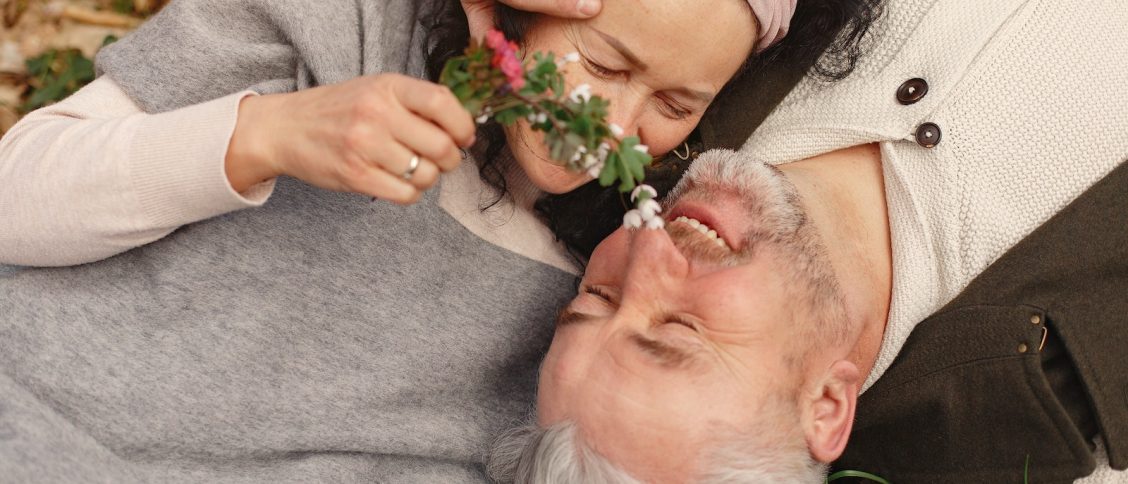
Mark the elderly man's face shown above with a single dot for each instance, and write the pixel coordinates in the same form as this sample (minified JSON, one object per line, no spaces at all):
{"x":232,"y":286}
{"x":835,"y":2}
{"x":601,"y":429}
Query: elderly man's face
{"x":675,"y":339}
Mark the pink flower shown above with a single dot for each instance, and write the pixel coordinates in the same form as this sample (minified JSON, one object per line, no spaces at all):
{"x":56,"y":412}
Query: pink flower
{"x":505,"y":58}
{"x":495,"y":40}
{"x":514,"y":71}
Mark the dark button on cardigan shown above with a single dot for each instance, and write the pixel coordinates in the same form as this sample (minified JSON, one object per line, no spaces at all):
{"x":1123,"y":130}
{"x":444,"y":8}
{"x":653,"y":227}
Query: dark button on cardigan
{"x":912,"y":91}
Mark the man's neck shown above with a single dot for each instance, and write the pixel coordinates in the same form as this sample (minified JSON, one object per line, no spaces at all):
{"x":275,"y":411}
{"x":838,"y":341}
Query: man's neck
{"x":844,"y":195}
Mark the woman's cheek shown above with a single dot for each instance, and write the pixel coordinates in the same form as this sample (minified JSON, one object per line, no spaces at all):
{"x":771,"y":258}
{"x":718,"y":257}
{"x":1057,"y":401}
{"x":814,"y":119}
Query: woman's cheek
{"x":663,"y":134}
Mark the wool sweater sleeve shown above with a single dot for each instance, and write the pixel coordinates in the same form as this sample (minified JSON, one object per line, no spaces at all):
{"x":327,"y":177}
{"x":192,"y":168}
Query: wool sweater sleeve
{"x":94,"y":176}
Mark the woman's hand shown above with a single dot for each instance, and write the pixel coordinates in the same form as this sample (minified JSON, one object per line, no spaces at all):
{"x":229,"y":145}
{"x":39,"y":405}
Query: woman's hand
{"x":358,"y":136}
{"x":480,"y":13}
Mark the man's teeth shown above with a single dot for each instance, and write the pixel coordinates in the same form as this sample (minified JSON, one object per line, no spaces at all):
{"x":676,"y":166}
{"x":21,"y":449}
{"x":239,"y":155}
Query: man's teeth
{"x":704,"y":229}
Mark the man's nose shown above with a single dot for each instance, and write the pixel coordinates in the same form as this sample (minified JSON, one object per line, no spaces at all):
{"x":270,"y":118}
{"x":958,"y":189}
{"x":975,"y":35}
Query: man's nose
{"x":656,"y":264}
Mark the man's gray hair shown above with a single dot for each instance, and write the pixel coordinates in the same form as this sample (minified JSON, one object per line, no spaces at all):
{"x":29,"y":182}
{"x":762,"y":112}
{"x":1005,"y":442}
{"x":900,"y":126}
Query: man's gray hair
{"x":556,"y":455}
{"x":533,"y":455}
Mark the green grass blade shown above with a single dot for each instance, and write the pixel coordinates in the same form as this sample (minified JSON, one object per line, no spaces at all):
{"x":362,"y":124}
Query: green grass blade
{"x":864,"y":475}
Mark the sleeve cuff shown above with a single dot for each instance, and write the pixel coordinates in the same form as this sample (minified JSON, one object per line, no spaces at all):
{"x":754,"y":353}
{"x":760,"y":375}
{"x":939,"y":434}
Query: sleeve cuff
{"x":177,"y":164}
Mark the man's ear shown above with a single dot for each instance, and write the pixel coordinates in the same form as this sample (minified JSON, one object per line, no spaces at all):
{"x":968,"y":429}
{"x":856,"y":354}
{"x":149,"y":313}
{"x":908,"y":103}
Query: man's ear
{"x":828,"y":410}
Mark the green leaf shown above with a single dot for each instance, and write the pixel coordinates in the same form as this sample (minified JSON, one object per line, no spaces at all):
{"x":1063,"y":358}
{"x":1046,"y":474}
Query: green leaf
{"x":864,"y":475}
{"x":82,"y":69}
{"x":596,"y":107}
{"x":626,"y":182}
{"x":123,"y":6}
{"x":546,"y":67}
{"x":507,"y":117}
{"x":473,"y":105}
{"x":40,"y":65}
{"x":636,"y":167}
{"x":555,"y":142}
{"x":582,"y":126}
{"x":462,"y":92}
{"x":450,"y":70}
{"x":572,"y":143}
{"x":558,"y":87}
{"x":610,"y":171}
{"x":42,"y":97}
{"x":57,"y":74}
{"x":533,"y":87}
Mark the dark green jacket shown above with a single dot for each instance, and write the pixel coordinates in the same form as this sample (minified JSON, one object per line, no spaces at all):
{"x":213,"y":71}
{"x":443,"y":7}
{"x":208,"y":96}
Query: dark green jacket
{"x":1028,"y":363}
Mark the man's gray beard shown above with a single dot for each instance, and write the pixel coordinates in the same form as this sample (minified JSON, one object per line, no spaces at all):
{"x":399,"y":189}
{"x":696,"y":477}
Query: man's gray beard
{"x":769,"y":200}
{"x":779,"y":225}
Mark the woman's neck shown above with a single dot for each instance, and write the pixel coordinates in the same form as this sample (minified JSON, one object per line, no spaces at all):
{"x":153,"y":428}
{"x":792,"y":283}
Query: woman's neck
{"x":510,"y":223}
{"x":518,"y":187}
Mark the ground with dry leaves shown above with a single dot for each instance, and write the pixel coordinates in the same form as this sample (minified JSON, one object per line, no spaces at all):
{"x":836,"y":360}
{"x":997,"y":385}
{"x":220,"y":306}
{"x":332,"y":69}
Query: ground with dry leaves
{"x":31,"y":28}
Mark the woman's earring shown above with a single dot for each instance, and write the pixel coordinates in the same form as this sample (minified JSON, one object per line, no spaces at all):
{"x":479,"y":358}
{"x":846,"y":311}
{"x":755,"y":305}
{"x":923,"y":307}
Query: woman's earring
{"x":687,"y":152}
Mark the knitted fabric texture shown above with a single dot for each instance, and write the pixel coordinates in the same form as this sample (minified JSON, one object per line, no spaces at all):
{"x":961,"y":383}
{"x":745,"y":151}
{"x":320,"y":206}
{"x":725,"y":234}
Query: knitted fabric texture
{"x":1019,"y":89}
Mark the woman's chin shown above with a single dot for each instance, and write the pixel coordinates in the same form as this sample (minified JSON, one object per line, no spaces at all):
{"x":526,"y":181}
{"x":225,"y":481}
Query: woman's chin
{"x":547,"y":176}
{"x":554,"y":179}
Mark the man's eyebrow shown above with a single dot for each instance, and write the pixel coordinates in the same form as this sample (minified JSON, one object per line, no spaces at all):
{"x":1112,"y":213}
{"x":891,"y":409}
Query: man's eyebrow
{"x":568,"y":316}
{"x":623,"y":50}
{"x":667,"y":355}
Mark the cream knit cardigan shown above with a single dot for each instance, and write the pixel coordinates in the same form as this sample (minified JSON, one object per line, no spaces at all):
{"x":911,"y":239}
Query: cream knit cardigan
{"x":1029,"y":97}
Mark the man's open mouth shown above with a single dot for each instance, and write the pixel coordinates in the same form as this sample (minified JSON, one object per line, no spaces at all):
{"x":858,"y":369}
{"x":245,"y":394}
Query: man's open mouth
{"x":704,"y":230}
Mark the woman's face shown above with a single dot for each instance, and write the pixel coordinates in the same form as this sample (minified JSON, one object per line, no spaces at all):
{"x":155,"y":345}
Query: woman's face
{"x":659,"y":62}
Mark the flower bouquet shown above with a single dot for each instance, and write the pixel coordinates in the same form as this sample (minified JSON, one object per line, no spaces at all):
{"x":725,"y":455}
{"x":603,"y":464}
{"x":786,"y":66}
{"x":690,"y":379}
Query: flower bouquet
{"x":492,"y":82}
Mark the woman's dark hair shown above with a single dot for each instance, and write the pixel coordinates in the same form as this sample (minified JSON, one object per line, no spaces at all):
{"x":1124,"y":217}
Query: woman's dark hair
{"x":825,"y":34}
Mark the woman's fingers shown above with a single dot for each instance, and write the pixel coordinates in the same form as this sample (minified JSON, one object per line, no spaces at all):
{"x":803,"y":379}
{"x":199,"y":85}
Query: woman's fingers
{"x":423,"y":177}
{"x":480,"y":13}
{"x":437,"y":104}
{"x":558,"y":8}
{"x":428,"y":141}
{"x":362,"y":135}
{"x":379,"y":183}
{"x":396,"y":158}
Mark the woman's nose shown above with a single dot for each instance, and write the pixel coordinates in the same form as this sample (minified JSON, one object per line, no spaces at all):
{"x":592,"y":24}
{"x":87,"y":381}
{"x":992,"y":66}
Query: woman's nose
{"x":626,"y":110}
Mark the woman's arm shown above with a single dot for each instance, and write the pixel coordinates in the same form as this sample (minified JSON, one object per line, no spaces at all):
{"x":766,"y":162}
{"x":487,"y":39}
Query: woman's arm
{"x":94,"y":176}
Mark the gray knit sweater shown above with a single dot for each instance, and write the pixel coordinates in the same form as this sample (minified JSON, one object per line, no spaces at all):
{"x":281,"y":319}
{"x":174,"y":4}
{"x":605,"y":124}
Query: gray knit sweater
{"x":321,"y":338}
{"x":199,"y":50}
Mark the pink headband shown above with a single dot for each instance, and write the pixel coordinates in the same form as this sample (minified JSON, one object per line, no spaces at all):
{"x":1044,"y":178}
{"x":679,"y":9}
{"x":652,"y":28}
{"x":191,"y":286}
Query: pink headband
{"x":774,"y":17}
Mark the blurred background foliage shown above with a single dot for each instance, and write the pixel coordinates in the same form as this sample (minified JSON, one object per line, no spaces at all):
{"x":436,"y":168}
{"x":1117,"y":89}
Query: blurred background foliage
{"x":47,"y":47}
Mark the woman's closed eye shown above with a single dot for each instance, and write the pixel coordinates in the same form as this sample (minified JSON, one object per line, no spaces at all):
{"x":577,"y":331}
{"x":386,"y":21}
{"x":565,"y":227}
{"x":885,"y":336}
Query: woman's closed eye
{"x":668,"y":106}
{"x":672,"y":109}
{"x":601,"y":71}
